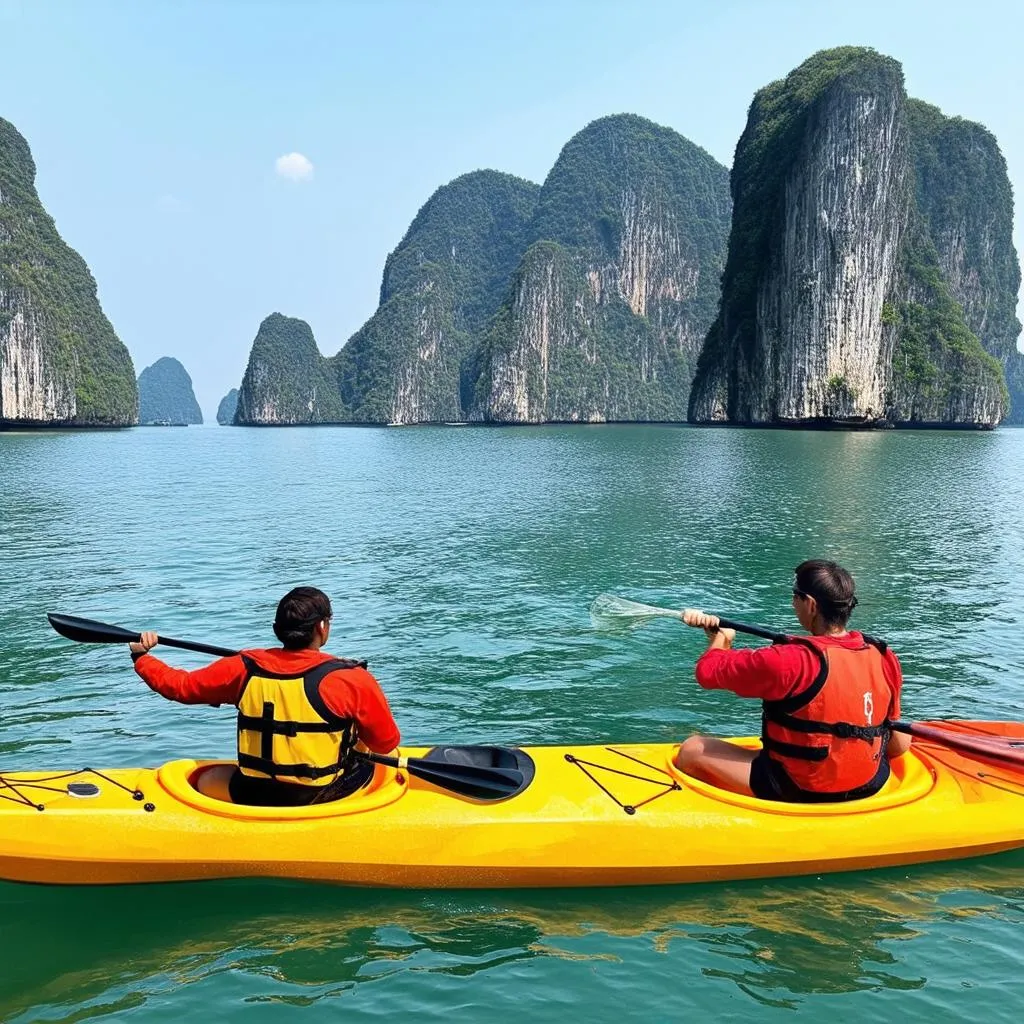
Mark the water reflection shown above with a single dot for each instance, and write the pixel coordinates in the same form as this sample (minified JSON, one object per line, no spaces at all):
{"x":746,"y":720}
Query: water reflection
{"x":776,"y":943}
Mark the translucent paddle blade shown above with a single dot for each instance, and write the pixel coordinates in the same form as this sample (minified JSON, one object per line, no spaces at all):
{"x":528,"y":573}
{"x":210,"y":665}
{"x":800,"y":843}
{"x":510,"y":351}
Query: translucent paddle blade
{"x":611,"y":612}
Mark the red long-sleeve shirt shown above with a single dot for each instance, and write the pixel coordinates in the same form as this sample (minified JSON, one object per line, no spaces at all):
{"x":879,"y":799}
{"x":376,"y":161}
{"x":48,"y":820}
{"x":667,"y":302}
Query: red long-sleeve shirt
{"x":349,"y":693}
{"x":782,"y":670}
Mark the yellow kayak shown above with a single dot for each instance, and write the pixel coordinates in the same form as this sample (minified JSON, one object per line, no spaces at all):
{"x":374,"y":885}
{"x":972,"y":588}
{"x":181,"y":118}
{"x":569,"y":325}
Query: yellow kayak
{"x":612,"y":815}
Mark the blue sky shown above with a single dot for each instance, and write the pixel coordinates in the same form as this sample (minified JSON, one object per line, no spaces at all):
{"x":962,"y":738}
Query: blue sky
{"x":156,"y":127}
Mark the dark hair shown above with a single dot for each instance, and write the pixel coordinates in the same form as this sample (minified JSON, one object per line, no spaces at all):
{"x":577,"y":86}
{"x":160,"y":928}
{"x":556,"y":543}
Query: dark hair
{"x":831,"y":586}
{"x":298,"y":612}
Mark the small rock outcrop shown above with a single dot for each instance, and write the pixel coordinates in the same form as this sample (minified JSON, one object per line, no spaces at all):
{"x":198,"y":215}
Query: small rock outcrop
{"x":835,"y":306}
{"x":287,"y":381}
{"x":166,"y":398}
{"x":227,"y":407}
{"x":60,"y":361}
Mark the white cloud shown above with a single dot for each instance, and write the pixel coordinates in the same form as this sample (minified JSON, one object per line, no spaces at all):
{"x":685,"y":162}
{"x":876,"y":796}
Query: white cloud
{"x":294,"y":166}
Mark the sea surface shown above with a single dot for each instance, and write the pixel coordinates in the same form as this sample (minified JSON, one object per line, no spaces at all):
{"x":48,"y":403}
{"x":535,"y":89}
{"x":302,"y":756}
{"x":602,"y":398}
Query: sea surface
{"x":461,"y":563}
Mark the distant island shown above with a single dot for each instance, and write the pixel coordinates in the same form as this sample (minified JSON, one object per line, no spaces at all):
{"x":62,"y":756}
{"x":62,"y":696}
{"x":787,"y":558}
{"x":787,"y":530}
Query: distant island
{"x":166,"y":398}
{"x":226,"y":409}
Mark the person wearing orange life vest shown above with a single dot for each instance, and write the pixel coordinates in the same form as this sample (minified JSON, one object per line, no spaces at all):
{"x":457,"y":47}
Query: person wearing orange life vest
{"x":301,"y":712}
{"x":827,"y":700}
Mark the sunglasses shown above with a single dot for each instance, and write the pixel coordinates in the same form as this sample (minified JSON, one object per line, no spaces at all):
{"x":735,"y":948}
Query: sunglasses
{"x":800,"y":593}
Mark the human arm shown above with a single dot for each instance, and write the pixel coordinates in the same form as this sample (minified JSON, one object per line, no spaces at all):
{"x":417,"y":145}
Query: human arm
{"x":354,"y":693}
{"x":218,"y":683}
{"x":768,"y":673}
{"x":898,"y":745}
{"x":899,"y":742}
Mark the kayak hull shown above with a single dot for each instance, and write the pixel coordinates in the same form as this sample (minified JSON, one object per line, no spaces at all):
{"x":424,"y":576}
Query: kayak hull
{"x":593,"y":816}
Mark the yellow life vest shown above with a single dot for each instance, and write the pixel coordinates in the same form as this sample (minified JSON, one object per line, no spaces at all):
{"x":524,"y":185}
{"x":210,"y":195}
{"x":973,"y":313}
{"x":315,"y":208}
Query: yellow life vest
{"x":287,"y":732}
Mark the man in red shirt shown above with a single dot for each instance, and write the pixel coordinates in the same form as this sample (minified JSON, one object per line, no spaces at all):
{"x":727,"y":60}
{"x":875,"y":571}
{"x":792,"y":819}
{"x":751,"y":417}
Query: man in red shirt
{"x":827,"y":699}
{"x":301,"y":713}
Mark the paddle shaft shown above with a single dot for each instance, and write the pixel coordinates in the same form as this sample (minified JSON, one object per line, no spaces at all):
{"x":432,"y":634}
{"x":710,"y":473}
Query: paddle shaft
{"x":187,"y":645}
{"x":742,"y":627}
{"x":1006,"y":750}
{"x":471,"y":779}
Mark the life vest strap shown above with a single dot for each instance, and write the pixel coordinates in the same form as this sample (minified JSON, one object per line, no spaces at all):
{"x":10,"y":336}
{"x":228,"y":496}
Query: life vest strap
{"x":269,"y":725}
{"x":253,"y":667}
{"x":793,"y":750}
{"x":291,"y":771}
{"x":804,"y":697}
{"x":841,"y":730}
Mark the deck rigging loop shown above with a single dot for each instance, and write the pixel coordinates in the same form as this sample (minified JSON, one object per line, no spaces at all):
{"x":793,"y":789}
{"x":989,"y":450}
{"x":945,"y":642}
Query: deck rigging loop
{"x":75,"y":789}
{"x":665,"y":787}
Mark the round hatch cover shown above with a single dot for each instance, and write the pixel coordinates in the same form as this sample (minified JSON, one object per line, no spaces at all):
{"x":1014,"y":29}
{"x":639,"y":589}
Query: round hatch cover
{"x":83,"y":789}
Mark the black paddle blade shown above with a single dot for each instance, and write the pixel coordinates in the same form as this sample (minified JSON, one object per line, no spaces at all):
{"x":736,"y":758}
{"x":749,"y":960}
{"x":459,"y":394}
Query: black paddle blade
{"x":87,"y":631}
{"x":468,"y":779}
{"x":472,"y":780}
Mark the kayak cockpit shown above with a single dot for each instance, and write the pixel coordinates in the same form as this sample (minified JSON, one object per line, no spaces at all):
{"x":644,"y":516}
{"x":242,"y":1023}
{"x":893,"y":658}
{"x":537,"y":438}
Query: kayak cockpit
{"x":180,"y":779}
{"x":910,"y":778}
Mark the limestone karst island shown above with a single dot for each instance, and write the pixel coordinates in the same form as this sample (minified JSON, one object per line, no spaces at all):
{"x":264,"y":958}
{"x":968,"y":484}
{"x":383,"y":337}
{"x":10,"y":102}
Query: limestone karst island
{"x":854,"y":268}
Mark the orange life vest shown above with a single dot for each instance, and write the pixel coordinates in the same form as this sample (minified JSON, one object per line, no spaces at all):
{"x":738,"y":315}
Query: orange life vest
{"x":831,"y":737}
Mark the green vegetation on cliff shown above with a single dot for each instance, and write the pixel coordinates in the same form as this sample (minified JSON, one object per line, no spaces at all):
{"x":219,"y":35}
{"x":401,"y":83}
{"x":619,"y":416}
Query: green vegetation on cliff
{"x":475,"y":229}
{"x":847,"y":195}
{"x":964,"y":196}
{"x":44,"y":279}
{"x":674,"y":182}
{"x":936,"y":355}
{"x":166,"y":395}
{"x":287,"y":380}
{"x":440,"y":288}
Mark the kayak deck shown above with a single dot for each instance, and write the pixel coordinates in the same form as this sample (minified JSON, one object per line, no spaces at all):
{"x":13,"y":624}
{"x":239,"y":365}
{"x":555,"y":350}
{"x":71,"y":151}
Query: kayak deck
{"x":619,"y":814}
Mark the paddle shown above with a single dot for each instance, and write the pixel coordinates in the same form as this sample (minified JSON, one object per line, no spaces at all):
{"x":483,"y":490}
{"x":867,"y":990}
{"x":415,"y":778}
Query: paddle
{"x":1008,"y":750}
{"x":470,"y":780}
{"x":609,"y":610}
{"x":86,"y":631}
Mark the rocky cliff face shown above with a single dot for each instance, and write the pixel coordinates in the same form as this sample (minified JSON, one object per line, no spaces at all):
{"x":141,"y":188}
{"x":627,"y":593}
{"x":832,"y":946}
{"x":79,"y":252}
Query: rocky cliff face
{"x":166,"y":397}
{"x":608,"y":309}
{"x":832,"y":292}
{"x":60,"y":361}
{"x":287,"y":381}
{"x":963,"y":193}
{"x":440,"y":288}
{"x":227,"y":407}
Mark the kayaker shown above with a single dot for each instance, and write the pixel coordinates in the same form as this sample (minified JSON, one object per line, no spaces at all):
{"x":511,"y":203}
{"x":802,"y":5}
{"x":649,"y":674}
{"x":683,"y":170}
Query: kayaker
{"x":301,"y":712}
{"x":826,"y":699}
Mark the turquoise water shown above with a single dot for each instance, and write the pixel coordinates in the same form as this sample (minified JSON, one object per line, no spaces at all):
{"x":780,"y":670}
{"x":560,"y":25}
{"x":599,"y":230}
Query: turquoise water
{"x":461,"y":563}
